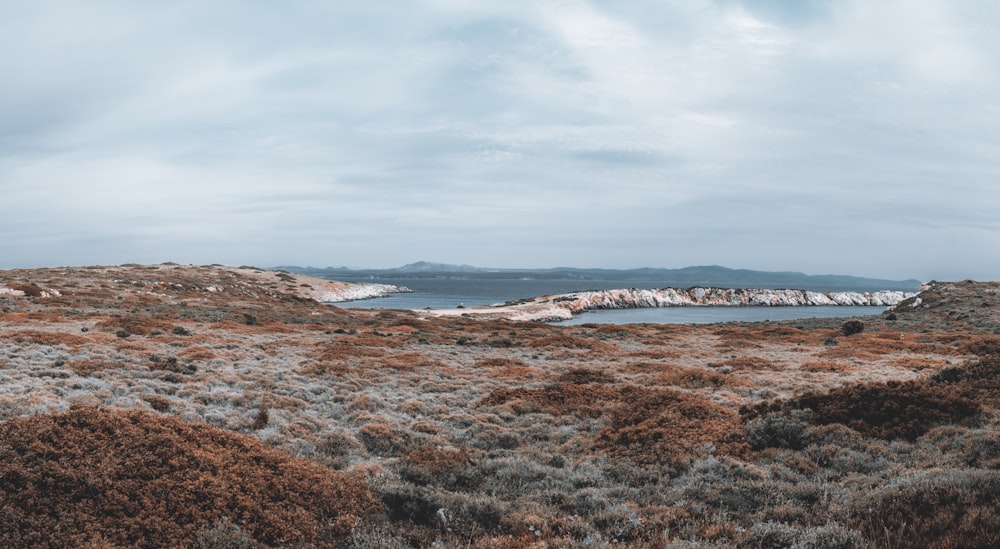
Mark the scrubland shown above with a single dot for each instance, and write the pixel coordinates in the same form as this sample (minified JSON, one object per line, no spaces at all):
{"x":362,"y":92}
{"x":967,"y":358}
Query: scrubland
{"x":169,"y":406}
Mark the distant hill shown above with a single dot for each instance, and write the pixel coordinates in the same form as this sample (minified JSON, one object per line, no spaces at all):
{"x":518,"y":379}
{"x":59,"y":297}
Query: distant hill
{"x":428,"y":267}
{"x":712,"y":275}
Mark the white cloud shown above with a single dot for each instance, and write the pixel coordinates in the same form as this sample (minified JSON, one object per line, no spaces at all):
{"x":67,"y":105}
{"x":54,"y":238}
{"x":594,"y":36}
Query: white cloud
{"x":645,"y":133}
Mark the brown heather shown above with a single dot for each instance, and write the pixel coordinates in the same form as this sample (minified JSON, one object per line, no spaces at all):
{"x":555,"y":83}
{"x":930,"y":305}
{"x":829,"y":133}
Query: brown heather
{"x":133,"y":478}
{"x":210,"y":407}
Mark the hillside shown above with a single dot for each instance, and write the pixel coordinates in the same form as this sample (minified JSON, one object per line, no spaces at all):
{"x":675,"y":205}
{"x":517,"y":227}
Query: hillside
{"x":167,"y":406}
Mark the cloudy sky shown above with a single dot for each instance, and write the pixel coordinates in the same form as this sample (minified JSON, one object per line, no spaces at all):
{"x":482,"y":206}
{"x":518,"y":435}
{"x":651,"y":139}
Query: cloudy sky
{"x":845,"y":137}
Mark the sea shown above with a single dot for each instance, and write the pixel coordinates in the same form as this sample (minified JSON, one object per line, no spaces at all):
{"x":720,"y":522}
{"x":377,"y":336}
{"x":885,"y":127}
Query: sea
{"x":448,"y":293}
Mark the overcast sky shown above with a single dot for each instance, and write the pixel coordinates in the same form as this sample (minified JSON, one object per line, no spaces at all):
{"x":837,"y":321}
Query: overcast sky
{"x":845,"y":137}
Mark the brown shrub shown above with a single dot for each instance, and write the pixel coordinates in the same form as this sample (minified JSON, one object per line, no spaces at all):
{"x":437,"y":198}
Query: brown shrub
{"x":934,"y":509}
{"x":982,"y":346}
{"x":656,"y":354}
{"x":563,"y":399}
{"x":196,"y":353}
{"x":408,"y":362}
{"x":317,"y":368}
{"x":383,"y":439}
{"x":877,"y":344}
{"x":157,"y":402}
{"x":697,"y":378}
{"x":135,"y":325}
{"x":30,"y":290}
{"x":583,"y":376}
{"x":566,"y":341}
{"x":982,"y":377}
{"x":344,"y":349}
{"x":516,"y":373}
{"x":752,"y":335}
{"x":918,"y":363}
{"x":498,"y":362}
{"x":751,"y":363}
{"x":446,"y":468}
{"x":851,"y":352}
{"x":137,"y":478}
{"x":46,"y":338}
{"x":852,"y":327}
{"x":826,"y":366}
{"x":891,"y":410}
{"x":668,"y":427}
{"x":89,"y":367}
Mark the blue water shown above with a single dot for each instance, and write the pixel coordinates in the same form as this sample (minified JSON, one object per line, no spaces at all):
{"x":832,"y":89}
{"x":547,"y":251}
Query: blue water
{"x":448,"y":293}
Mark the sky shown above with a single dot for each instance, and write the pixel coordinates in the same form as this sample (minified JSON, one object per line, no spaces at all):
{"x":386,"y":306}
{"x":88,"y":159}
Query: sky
{"x":826,"y":137}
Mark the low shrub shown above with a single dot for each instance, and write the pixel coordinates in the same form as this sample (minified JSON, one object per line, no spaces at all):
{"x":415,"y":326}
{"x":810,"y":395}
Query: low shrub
{"x":777,"y":430}
{"x":450,"y":469}
{"x":891,"y":410}
{"x":669,"y":428}
{"x":933,"y":508}
{"x":137,"y":478}
{"x":562,"y":399}
{"x":776,"y":535}
{"x":852,"y":327}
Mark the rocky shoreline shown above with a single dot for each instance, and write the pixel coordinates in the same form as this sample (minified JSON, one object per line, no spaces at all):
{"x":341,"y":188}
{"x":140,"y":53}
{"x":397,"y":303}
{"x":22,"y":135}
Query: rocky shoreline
{"x":565,"y":306}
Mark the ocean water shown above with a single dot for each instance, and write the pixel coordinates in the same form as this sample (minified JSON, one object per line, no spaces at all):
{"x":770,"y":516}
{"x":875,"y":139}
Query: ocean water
{"x":447,"y":293}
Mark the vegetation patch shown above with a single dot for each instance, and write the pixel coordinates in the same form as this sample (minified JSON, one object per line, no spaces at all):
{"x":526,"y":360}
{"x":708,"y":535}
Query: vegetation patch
{"x":133,"y":478}
{"x":667,"y":427}
{"x":561,"y":399}
{"x":891,"y":410}
{"x":933,"y":508}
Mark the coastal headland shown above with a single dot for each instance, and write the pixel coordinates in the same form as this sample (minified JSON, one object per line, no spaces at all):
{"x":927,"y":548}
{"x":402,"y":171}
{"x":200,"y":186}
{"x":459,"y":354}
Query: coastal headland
{"x":211,"y":406}
{"x":564,"y":306}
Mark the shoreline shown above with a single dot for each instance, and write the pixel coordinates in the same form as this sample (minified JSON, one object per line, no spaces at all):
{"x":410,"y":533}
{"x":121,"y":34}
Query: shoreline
{"x":561,"y":307}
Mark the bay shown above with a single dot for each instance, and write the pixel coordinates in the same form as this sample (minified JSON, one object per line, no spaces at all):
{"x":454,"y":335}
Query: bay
{"x":451,"y":292}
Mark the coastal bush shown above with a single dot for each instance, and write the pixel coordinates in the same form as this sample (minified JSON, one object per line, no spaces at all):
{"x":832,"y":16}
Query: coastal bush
{"x":852,"y":327}
{"x":136,"y":478}
{"x":932,"y":508}
{"x":383,"y":439}
{"x":584,"y":376}
{"x":777,"y":430}
{"x":668,"y":428}
{"x":697,"y":378}
{"x":890,"y":410}
{"x":979,"y":447}
{"x":562,"y":399}
{"x":777,"y":535}
{"x":751,"y":363}
{"x":451,"y":469}
{"x":30,"y":289}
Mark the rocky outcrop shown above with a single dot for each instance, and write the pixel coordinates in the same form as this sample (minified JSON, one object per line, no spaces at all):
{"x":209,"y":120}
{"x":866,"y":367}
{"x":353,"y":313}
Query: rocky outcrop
{"x":564,"y":306}
{"x":716,"y":297}
{"x":357,"y":291}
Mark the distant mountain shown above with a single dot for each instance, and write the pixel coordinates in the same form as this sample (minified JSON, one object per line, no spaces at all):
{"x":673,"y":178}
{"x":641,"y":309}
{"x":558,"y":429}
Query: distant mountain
{"x":712,"y":275}
{"x":428,"y":267}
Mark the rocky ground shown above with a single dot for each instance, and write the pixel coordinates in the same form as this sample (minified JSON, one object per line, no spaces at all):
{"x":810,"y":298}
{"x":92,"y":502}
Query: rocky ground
{"x":171,"y":406}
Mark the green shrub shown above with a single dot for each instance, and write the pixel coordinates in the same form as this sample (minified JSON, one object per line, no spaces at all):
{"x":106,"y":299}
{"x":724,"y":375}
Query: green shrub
{"x":933,"y":508}
{"x":777,"y":430}
{"x":776,"y":535}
